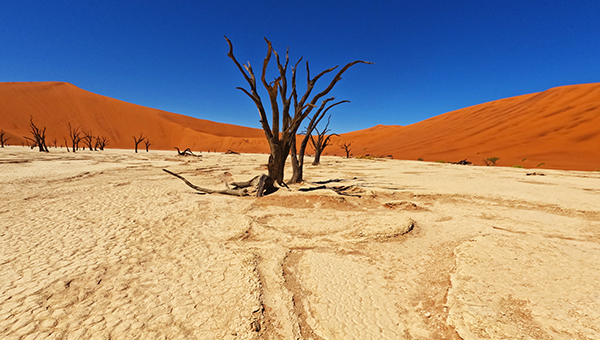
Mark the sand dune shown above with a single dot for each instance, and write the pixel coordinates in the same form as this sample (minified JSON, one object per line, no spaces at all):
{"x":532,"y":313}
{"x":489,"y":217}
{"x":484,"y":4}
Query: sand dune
{"x":54,"y":105}
{"x":105,"y":245}
{"x":558,"y":128}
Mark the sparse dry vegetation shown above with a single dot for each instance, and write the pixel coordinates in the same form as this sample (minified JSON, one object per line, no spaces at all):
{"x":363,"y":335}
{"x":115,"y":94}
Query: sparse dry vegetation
{"x":491,"y":161}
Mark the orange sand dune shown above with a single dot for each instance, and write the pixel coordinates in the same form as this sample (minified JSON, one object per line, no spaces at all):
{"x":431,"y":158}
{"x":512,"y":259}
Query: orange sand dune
{"x":559,"y":127}
{"x":54,"y":105}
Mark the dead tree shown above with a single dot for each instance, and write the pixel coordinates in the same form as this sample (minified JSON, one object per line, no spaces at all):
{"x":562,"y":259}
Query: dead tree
{"x":88,"y":139}
{"x":3,"y":138}
{"x":101,"y":143}
{"x":54,"y":143}
{"x":321,"y":142}
{"x":138,"y":140}
{"x":147,"y":144}
{"x":346,"y":147}
{"x":281,"y":131}
{"x":298,"y":156}
{"x":75,"y":136}
{"x":38,"y":136}
{"x":66,"y":144}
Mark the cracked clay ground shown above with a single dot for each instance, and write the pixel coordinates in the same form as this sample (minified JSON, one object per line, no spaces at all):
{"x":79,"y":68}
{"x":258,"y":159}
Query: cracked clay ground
{"x":105,"y":245}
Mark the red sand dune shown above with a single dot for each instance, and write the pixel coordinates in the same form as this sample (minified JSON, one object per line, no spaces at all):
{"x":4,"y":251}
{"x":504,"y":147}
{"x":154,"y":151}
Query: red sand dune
{"x":54,"y":105}
{"x":559,"y":127}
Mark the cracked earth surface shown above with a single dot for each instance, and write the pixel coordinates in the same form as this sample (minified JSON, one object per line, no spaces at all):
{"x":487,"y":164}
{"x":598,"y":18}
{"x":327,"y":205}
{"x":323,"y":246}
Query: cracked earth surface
{"x":107,"y":246}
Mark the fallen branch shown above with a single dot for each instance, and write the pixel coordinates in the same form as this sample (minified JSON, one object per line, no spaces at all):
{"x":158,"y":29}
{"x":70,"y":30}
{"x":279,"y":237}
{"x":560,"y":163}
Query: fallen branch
{"x":338,"y":190}
{"x":313,"y":188}
{"x":186,"y":152}
{"x":263,"y":185}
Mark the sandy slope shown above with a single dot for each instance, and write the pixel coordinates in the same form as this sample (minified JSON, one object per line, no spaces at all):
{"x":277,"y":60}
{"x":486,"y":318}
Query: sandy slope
{"x":557,"y":129}
{"x":105,"y":245}
{"x":55,"y":104}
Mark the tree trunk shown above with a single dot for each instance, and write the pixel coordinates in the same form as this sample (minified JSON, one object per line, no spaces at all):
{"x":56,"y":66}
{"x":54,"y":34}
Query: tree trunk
{"x":276,"y":163}
{"x":297,"y":163}
{"x":317,"y":160}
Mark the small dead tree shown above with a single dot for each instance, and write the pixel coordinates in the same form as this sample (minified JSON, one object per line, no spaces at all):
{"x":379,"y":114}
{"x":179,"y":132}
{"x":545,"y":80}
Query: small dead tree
{"x":147,"y":144}
{"x":88,"y":140}
{"x":3,"y":138}
{"x":346,"y":147}
{"x":66,"y":144}
{"x":281,"y":131}
{"x":138,"y":140}
{"x":38,"y":136}
{"x":54,"y":143}
{"x":321,"y":142}
{"x":101,"y":143}
{"x":75,"y":136}
{"x":298,"y":156}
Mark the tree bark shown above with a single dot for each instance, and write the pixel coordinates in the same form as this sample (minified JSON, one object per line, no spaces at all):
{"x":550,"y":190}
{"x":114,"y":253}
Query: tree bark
{"x":297,"y":164}
{"x":276,"y":165}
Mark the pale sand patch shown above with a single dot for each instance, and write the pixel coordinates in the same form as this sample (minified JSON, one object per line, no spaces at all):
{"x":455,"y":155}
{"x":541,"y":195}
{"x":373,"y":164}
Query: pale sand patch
{"x":106,"y":245}
{"x":550,"y":288}
{"x":347,"y":298}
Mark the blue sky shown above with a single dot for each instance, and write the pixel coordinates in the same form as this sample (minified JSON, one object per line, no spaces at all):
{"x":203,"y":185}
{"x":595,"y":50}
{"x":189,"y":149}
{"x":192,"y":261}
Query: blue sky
{"x":430,"y":57}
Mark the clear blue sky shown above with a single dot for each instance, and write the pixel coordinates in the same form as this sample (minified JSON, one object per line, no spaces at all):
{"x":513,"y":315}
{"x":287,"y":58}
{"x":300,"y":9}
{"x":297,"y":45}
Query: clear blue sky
{"x":430,"y":57}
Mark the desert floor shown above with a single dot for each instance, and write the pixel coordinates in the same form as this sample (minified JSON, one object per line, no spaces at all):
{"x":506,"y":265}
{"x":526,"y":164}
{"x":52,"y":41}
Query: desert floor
{"x":105,"y":245}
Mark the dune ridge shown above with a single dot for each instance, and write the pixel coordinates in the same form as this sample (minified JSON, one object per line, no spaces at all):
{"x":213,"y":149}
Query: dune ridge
{"x":558,"y":128}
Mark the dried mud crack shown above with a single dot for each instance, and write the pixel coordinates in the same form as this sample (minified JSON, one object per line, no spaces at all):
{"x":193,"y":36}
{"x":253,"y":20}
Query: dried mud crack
{"x":107,"y":246}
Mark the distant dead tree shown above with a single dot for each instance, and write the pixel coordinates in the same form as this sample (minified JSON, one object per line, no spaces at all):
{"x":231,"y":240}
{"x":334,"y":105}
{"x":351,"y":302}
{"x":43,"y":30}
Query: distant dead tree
{"x":75,"y":136}
{"x":3,"y":138}
{"x":147,"y":144}
{"x":66,"y":144}
{"x":101,"y":143}
{"x":282,"y":130}
{"x":346,"y":147}
{"x":138,"y":140}
{"x":321,"y":142}
{"x":88,"y":139}
{"x":298,"y":156}
{"x":38,"y":136}
{"x":54,"y":143}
